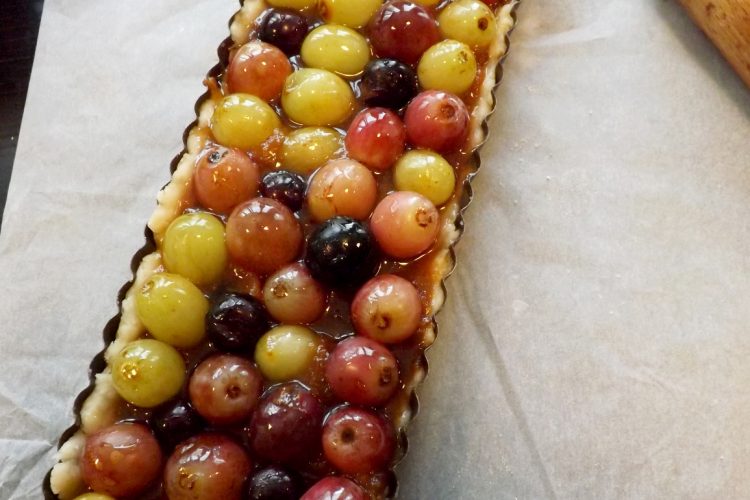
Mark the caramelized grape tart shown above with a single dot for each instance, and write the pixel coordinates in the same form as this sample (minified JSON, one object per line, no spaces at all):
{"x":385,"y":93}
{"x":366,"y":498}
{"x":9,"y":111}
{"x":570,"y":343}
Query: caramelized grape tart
{"x":270,"y":342}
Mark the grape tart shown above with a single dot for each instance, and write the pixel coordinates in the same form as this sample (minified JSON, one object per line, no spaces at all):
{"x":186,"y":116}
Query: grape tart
{"x":274,"y":332}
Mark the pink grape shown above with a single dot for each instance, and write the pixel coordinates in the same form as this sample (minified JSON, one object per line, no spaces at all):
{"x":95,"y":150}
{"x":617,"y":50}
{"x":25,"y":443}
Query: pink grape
{"x":387,"y":309}
{"x":357,"y":440}
{"x":405,"y":224}
{"x":362,"y":371}
{"x":376,"y":137}
{"x":437,"y":120}
{"x":225,"y":389}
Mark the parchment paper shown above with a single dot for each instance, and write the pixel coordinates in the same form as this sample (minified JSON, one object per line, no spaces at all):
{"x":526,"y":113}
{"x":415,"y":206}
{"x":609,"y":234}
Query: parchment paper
{"x":595,"y":340}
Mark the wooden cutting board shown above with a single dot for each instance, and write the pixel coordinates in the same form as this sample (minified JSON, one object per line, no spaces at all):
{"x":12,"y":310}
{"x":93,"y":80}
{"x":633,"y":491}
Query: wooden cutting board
{"x":727,"y":24}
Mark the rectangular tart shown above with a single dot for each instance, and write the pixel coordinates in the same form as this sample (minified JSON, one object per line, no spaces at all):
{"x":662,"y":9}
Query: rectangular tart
{"x":279,"y":312}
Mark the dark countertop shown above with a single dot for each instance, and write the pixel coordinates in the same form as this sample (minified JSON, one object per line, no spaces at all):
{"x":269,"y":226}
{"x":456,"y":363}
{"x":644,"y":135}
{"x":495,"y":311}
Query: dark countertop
{"x":19,"y":26}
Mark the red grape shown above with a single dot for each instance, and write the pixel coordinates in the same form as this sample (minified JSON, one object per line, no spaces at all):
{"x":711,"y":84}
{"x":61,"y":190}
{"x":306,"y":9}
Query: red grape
{"x":225,"y":389}
{"x":387,"y":308}
{"x":111,"y":455}
{"x":362,"y":371}
{"x":224,"y":178}
{"x":260,"y":69}
{"x":206,"y":467}
{"x":357,"y":440}
{"x":335,"y":488}
{"x":405,"y":224}
{"x":403,"y":31}
{"x":285,"y":427}
{"x":263,"y":235}
{"x":376,"y":137}
{"x":437,"y":120}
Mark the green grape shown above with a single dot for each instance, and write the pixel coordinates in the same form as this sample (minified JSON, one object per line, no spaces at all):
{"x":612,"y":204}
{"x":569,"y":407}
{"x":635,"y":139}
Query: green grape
{"x":94,"y":496}
{"x":469,"y":21}
{"x":352,"y":13}
{"x":336,"y":48}
{"x":293,"y":4}
{"x":243,"y":121}
{"x":172,"y":309}
{"x":426,"y":173}
{"x":427,"y":3}
{"x":317,"y":97}
{"x":308,"y":148}
{"x":448,"y":65}
{"x":285,"y":352}
{"x":147,"y":372}
{"x":194,"y":247}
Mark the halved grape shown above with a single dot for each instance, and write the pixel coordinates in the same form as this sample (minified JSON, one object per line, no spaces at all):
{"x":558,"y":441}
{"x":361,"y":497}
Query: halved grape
{"x":293,"y":296}
{"x":258,"y":68}
{"x":342,"y":187}
{"x":225,"y":389}
{"x":352,"y":13}
{"x":468,"y":21}
{"x":243,"y":121}
{"x":338,"y":488}
{"x":110,"y":456}
{"x":357,"y":440}
{"x":336,"y":48}
{"x":194,"y":247}
{"x":387,"y":308}
{"x":426,"y":173}
{"x":405,"y":224}
{"x":147,"y":372}
{"x":317,"y":97}
{"x":286,"y":351}
{"x":376,"y":137}
{"x":448,"y":65}
{"x":308,"y":148}
{"x":263,"y":235}
{"x":206,"y":467}
{"x":223,"y":178}
{"x":172,"y":309}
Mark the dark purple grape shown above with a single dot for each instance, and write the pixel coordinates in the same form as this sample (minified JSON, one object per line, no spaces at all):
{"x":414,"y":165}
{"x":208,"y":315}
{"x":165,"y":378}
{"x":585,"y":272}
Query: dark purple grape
{"x":274,"y":483}
{"x":341,"y":251}
{"x":235,"y":322}
{"x":283,"y":28}
{"x":176,"y":423}
{"x":286,"y":426}
{"x":388,"y":83}
{"x":284,"y":187}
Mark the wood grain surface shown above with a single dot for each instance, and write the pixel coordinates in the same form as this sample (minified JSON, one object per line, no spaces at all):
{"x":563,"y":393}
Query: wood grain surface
{"x":727,"y":24}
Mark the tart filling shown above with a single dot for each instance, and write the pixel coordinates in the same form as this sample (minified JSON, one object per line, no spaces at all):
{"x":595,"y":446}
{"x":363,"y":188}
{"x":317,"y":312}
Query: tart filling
{"x":271,"y":340}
